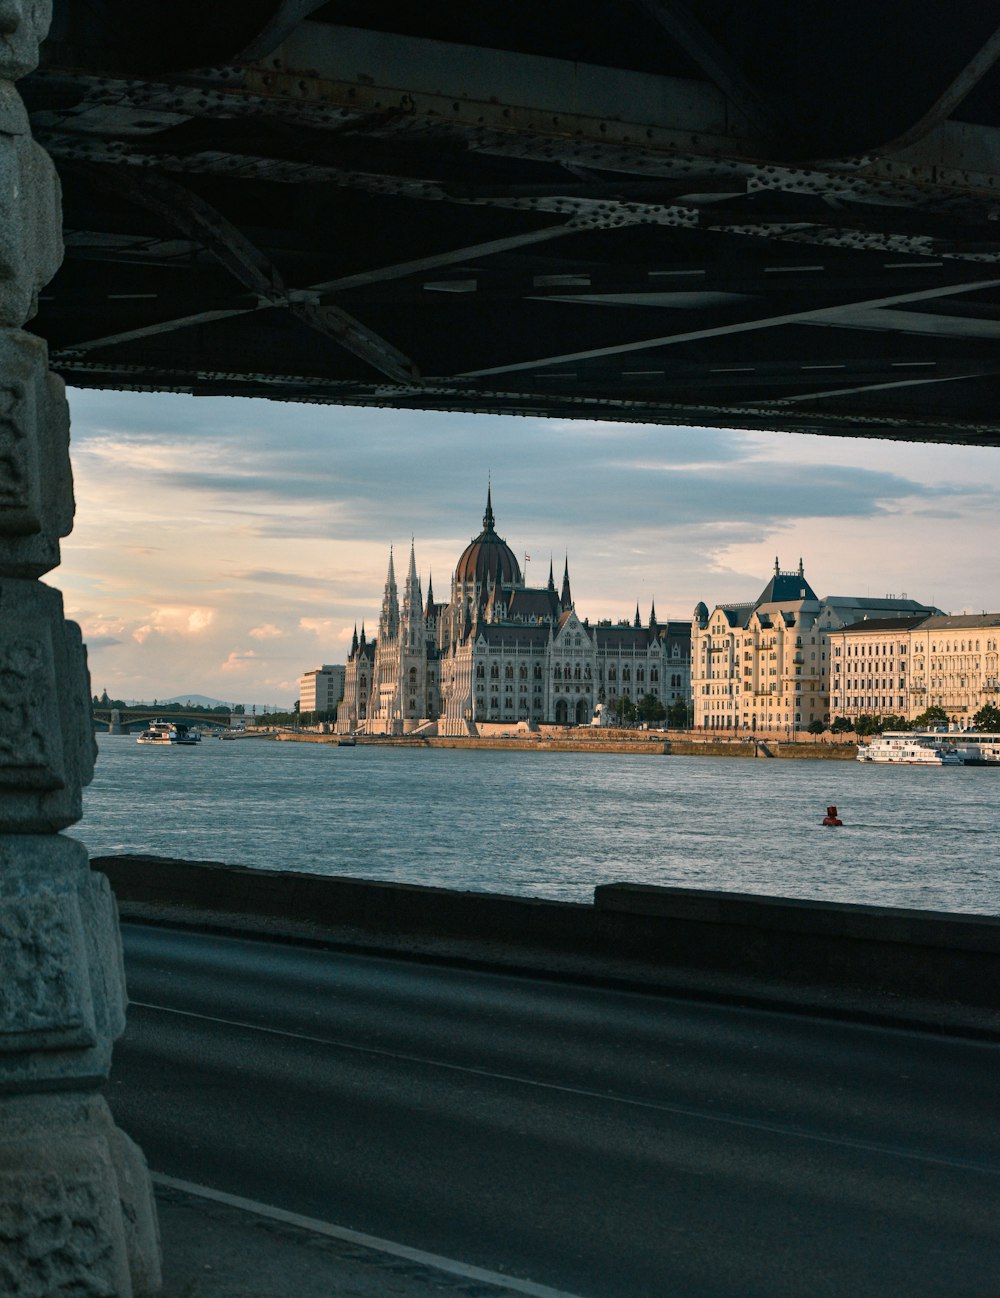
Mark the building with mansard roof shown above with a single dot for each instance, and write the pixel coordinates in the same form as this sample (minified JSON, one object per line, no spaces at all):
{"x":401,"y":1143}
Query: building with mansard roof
{"x":764,"y":666}
{"x":500,"y":652}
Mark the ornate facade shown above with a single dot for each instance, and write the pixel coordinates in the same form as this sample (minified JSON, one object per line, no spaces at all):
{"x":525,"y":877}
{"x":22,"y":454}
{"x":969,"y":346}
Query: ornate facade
{"x":500,"y":653}
{"x":907,"y":665}
{"x":764,"y":666}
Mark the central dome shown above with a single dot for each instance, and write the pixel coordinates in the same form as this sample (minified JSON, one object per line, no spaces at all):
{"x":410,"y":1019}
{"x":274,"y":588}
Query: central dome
{"x":479,"y":559}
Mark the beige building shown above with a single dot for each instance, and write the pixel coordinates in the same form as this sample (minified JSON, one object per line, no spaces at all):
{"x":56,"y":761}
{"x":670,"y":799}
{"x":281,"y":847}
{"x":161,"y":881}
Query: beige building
{"x":321,"y":689}
{"x":908,"y":665}
{"x":763,"y":667}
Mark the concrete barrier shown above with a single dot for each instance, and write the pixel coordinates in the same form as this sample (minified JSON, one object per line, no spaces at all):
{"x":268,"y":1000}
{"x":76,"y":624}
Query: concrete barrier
{"x":925,"y":968}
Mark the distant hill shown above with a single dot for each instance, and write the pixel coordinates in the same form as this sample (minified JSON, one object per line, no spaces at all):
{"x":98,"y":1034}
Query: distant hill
{"x":199,"y":700}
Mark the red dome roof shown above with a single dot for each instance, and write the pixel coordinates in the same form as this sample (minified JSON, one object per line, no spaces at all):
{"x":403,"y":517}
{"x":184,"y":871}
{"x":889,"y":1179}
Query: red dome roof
{"x":479,"y":559}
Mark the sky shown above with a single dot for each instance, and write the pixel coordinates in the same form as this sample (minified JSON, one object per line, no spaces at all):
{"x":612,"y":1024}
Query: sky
{"x":224,"y":546}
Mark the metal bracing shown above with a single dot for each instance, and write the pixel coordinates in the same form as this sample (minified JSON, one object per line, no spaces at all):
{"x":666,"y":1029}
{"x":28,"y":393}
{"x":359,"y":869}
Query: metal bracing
{"x":629,"y":225}
{"x":746,"y":320}
{"x":679,"y":22}
{"x":201,"y":222}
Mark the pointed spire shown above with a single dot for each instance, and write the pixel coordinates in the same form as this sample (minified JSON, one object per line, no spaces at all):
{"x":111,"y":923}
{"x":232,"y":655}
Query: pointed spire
{"x":638,"y":619}
{"x":776,"y":565}
{"x":362,"y":635}
{"x":652,"y":613}
{"x":801,"y":569}
{"x":566,"y":599}
{"x":488,"y":519}
{"x":552,"y":582}
{"x":429,"y":610}
{"x":354,"y":643}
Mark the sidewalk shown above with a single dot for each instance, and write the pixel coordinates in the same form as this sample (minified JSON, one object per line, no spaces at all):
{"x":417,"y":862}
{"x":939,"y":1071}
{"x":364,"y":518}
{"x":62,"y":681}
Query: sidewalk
{"x":215,"y":1250}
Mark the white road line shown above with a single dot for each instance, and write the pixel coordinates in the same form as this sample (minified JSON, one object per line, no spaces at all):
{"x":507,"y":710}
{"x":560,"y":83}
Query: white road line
{"x":608,"y":1097}
{"x":373,"y":1242}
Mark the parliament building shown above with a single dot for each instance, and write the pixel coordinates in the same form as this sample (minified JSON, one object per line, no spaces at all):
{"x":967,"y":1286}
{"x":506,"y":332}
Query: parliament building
{"x":501,"y":654}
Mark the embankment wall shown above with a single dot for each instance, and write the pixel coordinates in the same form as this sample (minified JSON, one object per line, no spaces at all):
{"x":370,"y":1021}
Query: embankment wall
{"x":923,"y":968}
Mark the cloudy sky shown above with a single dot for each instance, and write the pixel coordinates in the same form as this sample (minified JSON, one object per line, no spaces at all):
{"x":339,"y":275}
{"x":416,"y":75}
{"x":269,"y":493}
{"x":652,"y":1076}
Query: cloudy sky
{"x":224,"y":546}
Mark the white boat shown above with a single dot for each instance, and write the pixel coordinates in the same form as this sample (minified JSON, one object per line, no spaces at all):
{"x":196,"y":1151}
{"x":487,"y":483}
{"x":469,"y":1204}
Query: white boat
{"x":169,"y":732}
{"x":898,"y":748}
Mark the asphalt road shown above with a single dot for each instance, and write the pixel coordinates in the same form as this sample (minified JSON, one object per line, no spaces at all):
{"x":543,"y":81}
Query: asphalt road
{"x":611,"y":1144}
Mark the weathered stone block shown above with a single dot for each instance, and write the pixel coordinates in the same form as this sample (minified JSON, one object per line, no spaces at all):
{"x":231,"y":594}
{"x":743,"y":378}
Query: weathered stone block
{"x":68,"y":1225}
{"x":36,"y":482}
{"x":47,"y":742}
{"x":62,"y":984}
{"x":31,"y":246}
{"x":45,"y":1001}
{"x":24,"y":24}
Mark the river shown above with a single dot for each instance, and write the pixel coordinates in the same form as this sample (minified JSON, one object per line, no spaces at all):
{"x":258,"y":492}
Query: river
{"x":553,"y":825}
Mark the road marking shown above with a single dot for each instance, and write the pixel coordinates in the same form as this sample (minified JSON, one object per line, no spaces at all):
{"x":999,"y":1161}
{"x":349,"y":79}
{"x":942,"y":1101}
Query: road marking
{"x":608,"y":1097}
{"x":509,"y":1283}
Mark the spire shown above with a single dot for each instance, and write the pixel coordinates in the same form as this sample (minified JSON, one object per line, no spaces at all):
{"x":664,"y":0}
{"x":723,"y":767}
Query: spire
{"x":652,"y":613}
{"x":776,"y":565}
{"x":488,"y":519}
{"x":801,"y":569}
{"x":552,"y":582}
{"x":388,"y":624}
{"x":566,"y":599}
{"x":638,"y":619}
{"x":429,"y":610}
{"x":362,"y":635}
{"x":412,"y":602}
{"x":354,"y":643}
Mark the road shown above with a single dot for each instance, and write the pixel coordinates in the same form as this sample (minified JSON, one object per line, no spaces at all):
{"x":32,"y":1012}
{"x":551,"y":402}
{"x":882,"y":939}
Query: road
{"x":607,"y":1143}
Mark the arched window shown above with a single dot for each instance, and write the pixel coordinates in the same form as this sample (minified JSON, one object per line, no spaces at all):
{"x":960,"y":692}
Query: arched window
{"x":557,"y":673}
{"x":494,"y":672}
{"x":480,"y":672}
{"x":523,"y":672}
{"x":538,"y":671}
{"x":508,"y":672}
{"x":626,"y":673}
{"x":640,"y":675}
{"x":612,"y":673}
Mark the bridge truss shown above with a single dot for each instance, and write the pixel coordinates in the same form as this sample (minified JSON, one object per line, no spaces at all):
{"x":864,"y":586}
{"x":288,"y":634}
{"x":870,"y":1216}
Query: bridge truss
{"x":768,"y":216}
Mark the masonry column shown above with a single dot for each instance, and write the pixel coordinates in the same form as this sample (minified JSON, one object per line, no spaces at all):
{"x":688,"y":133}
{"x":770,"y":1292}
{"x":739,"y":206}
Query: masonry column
{"x":76,"y":1209}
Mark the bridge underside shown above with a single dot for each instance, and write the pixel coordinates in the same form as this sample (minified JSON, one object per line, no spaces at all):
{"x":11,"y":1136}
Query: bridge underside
{"x":758,"y":217}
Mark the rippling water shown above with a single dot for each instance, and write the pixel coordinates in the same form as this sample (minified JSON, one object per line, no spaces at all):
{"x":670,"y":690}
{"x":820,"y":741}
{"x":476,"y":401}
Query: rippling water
{"x":555,"y":824}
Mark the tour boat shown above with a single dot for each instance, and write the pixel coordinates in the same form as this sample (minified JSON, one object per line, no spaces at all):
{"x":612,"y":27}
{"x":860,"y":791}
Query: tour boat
{"x":904,"y":749}
{"x":169,"y":732}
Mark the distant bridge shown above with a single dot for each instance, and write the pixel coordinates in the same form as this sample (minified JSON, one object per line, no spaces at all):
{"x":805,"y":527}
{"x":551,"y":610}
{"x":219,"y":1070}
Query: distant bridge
{"x":142,"y":716}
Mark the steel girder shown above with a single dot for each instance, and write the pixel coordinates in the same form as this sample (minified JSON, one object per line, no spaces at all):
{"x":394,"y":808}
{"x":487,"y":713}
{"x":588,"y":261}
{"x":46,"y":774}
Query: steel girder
{"x":533,"y":233}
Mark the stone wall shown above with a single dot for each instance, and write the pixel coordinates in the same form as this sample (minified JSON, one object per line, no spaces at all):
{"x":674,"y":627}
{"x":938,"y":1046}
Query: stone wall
{"x":76,"y":1214}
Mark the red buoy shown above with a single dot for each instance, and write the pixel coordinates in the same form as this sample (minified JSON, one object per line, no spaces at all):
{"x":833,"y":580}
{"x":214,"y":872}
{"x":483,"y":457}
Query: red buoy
{"x":831,"y":817}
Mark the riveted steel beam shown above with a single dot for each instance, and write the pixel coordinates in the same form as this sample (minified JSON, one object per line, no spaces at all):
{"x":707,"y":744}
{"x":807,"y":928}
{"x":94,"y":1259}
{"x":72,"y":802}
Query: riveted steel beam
{"x":747,"y":320}
{"x":200,"y":221}
{"x":679,"y":22}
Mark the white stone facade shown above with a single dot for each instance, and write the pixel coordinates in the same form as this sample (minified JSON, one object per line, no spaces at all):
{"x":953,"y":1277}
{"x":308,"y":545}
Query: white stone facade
{"x":501,"y":652}
{"x":763,"y":667}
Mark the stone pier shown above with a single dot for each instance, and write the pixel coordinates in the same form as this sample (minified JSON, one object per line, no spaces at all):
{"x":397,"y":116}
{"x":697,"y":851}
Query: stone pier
{"x":76,"y":1208}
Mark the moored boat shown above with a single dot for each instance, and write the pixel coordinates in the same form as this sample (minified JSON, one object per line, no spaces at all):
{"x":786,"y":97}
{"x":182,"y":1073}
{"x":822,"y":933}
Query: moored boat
{"x":897,"y":748}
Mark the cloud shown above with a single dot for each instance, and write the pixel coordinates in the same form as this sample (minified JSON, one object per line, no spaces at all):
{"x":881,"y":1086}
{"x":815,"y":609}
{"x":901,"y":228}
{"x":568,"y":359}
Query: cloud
{"x":320,"y":626}
{"x":266,"y":632}
{"x":101,"y":642}
{"x":181,"y":619}
{"x":237,"y":662}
